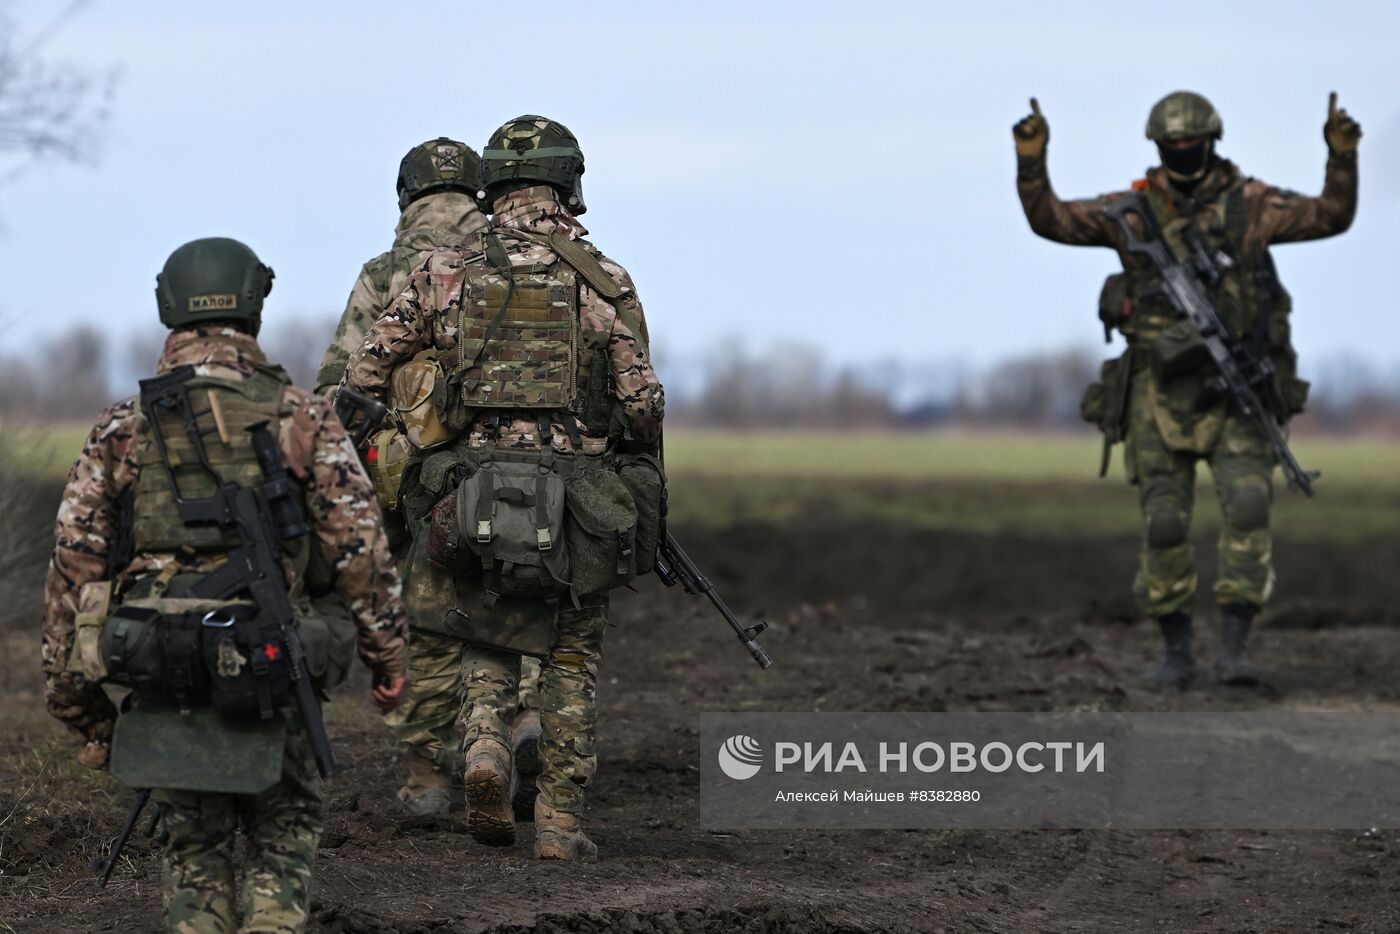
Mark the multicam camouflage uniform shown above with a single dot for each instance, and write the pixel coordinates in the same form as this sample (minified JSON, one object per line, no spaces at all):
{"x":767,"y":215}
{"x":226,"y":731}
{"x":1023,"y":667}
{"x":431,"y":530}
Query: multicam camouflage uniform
{"x":1174,"y":420}
{"x":427,"y":720}
{"x":283,"y":823}
{"x":435,"y":220}
{"x":423,"y":318}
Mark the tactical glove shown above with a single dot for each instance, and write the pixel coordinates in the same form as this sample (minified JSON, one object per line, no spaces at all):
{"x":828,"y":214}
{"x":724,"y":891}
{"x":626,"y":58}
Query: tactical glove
{"x":1341,"y":131}
{"x":1031,"y":134}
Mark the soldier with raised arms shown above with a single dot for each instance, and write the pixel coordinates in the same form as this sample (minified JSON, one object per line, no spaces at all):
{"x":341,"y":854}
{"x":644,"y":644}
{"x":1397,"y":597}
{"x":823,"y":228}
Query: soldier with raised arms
{"x":1162,"y":397}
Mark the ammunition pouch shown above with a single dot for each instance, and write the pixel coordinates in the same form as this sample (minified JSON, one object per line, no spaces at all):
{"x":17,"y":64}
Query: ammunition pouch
{"x":541,"y":524}
{"x":1292,"y":395}
{"x":506,"y":517}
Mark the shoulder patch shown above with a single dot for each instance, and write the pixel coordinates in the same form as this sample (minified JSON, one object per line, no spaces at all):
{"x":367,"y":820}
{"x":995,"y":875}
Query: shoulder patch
{"x":1140,"y":184}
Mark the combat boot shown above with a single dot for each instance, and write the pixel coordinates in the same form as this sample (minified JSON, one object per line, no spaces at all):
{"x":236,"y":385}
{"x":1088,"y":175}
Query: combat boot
{"x":1178,"y":668}
{"x":1233,"y":666}
{"x":488,"y":802}
{"x":525,"y":741}
{"x":557,"y":836}
{"x":428,"y":791}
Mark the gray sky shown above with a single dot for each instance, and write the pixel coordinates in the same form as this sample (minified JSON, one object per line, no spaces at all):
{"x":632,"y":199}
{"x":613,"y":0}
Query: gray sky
{"x":836,"y":173}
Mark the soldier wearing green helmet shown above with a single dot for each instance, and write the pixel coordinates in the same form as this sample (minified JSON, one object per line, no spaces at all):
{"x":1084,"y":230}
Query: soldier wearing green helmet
{"x":150,"y":589}
{"x":1161,"y":397}
{"x":438,"y":186}
{"x":437,"y":190}
{"x":535,"y":489}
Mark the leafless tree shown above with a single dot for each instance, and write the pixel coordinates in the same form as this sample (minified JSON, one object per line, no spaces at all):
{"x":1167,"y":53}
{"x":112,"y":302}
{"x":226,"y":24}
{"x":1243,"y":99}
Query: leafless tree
{"x":48,"y":109}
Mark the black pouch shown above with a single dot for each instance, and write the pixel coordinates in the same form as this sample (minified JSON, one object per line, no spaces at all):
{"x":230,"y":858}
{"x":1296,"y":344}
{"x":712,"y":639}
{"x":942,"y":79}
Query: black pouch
{"x":246,"y":663}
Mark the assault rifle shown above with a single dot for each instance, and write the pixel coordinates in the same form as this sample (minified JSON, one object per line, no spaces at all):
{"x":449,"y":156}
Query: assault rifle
{"x":261,"y":519}
{"x":1240,"y":369}
{"x":674,"y":566}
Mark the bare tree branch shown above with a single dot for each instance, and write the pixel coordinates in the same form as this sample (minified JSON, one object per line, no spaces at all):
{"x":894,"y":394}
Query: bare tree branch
{"x":48,"y":110}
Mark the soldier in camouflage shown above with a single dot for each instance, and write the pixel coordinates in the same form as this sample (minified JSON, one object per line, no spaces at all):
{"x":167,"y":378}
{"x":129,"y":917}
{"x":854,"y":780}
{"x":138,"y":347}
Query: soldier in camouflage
{"x":1169,"y":411}
{"x":453,"y":308}
{"x":437,"y":190}
{"x":211,"y":294}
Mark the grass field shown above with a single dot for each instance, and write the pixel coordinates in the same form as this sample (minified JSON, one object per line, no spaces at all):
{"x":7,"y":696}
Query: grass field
{"x":1035,"y":484}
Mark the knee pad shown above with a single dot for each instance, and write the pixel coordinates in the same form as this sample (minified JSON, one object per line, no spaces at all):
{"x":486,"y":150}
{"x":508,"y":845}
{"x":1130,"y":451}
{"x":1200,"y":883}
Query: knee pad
{"x":1247,"y":506}
{"x":1167,"y":528}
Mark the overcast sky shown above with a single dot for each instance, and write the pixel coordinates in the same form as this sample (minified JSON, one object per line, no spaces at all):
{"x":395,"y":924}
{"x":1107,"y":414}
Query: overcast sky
{"x":837,"y":173}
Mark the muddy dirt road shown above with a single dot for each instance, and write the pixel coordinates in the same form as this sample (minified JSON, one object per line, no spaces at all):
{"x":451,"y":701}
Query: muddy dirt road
{"x":937,"y":621}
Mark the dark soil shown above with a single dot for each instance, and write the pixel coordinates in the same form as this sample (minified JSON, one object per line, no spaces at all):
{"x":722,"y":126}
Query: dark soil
{"x":882,"y":619}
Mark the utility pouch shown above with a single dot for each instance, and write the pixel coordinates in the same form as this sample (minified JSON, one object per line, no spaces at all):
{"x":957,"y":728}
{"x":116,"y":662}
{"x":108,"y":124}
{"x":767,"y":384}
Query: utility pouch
{"x":510,"y":515}
{"x":248,"y":669}
{"x":645,"y":480}
{"x":388,"y":454}
{"x":1105,"y":403}
{"x":601,"y":530}
{"x":1115,"y":306}
{"x":130,"y":647}
{"x":1177,"y":352}
{"x":446,"y":546}
{"x":414,"y":389}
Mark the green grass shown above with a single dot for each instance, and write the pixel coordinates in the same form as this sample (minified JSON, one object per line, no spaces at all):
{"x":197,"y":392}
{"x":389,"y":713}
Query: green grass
{"x":1035,"y":484}
{"x":46,"y":451}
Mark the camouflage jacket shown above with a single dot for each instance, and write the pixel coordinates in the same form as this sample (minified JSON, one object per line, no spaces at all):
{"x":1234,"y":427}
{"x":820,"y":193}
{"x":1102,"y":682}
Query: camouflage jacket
{"x":420,"y":318}
{"x":440,"y":219}
{"x":1273,"y":215}
{"x":340,"y":504}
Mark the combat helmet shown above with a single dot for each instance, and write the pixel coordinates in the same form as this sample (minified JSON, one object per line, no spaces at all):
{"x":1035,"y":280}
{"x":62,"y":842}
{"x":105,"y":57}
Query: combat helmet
{"x":214,"y":279}
{"x":438,"y":165}
{"x":537,"y":149}
{"x":1183,"y":115}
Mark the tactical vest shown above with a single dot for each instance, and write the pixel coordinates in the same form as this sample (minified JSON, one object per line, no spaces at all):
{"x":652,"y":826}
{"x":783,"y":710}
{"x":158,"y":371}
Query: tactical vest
{"x":521,"y":344}
{"x":1248,"y":295}
{"x":225,"y":410}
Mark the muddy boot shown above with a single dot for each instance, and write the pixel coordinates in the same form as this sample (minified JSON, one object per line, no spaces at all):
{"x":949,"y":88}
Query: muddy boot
{"x":1178,"y":667}
{"x":557,"y":835}
{"x":428,"y":791}
{"x":1233,"y":666}
{"x":525,"y":739}
{"x":487,"y":783}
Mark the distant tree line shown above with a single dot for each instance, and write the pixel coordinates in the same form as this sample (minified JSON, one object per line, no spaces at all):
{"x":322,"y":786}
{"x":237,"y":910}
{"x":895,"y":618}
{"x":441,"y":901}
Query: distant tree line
{"x":782,"y":387}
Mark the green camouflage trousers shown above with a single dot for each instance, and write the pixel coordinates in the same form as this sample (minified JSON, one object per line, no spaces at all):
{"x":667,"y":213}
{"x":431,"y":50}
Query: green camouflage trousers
{"x":428,"y":720}
{"x":568,"y":687}
{"x":283,"y":825}
{"x":1242,"y":465}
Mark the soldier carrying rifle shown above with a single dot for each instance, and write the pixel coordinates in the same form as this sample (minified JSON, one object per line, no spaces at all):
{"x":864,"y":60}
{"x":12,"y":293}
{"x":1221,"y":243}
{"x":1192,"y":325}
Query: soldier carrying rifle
{"x":1210,"y":373}
{"x":219,"y":554}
